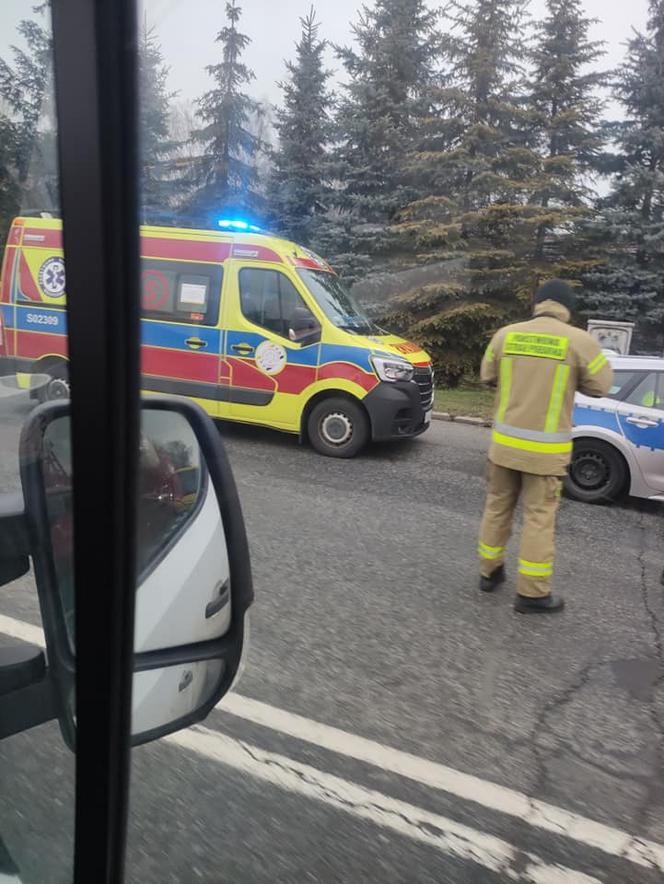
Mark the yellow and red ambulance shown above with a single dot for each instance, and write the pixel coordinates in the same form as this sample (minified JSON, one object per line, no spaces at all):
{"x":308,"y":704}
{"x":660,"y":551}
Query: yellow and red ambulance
{"x":252,"y":327}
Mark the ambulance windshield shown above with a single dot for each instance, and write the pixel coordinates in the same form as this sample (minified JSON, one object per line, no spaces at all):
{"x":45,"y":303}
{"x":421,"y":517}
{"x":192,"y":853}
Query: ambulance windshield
{"x":337,"y":303}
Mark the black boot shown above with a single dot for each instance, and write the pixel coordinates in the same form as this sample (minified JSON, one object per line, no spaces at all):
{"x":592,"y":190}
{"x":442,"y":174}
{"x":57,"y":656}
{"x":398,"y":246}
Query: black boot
{"x":493,"y":581}
{"x":546,"y":604}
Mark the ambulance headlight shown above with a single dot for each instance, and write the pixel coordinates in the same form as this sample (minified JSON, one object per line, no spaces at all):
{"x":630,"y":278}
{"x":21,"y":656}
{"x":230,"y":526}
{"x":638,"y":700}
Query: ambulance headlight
{"x":392,"y":369}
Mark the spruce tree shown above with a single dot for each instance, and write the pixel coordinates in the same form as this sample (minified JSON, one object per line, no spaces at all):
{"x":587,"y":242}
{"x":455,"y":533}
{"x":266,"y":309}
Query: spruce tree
{"x":23,"y":85}
{"x":9,"y":188}
{"x":628,"y":283}
{"x":472,"y":168}
{"x":298,"y":191}
{"x":388,"y":71}
{"x":223,"y":174}
{"x":567,"y":132}
{"x":159,"y":179}
{"x":29,"y":179}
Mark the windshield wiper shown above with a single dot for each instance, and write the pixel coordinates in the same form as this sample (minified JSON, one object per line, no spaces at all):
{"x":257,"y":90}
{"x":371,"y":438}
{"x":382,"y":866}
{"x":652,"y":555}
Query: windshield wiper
{"x":364,"y":329}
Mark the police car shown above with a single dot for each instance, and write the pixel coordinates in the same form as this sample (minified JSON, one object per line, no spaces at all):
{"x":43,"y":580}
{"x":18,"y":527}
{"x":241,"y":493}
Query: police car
{"x":619,"y":439}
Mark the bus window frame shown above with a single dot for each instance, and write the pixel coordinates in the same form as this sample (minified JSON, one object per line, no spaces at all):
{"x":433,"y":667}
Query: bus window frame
{"x":95,"y":64}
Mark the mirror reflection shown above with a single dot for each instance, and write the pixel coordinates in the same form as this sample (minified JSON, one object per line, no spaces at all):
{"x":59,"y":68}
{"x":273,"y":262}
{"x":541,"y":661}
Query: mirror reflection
{"x":183,"y":576}
{"x":164,"y":695}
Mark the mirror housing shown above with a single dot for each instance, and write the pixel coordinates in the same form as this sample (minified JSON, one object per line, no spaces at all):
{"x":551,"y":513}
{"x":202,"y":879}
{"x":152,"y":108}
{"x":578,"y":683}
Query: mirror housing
{"x":14,"y":540}
{"x":21,"y":664}
{"x":194,"y":583}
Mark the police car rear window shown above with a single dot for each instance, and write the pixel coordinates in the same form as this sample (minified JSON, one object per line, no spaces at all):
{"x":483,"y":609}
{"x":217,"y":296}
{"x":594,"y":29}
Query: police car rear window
{"x":623,"y":383}
{"x":179,"y":291}
{"x":646,"y":392}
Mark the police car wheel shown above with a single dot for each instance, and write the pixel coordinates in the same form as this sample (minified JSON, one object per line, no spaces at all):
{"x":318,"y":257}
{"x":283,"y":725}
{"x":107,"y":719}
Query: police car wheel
{"x":338,"y":427}
{"x":597,"y":472}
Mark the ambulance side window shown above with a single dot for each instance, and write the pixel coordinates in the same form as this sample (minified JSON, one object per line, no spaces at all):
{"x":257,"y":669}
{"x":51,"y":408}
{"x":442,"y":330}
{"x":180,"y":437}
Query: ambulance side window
{"x":269,"y":299}
{"x":179,"y":291}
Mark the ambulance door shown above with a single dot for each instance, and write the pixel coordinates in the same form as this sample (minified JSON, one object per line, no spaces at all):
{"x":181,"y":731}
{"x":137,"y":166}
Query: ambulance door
{"x":181,"y":341}
{"x":38,"y":293}
{"x":272,"y":346}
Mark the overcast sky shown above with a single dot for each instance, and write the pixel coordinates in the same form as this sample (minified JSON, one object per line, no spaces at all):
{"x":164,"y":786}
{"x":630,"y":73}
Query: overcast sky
{"x":187,"y":29}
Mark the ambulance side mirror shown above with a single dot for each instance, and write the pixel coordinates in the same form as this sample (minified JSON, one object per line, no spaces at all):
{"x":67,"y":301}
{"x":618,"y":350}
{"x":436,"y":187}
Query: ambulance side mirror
{"x":193,"y":572}
{"x":304,"y":329}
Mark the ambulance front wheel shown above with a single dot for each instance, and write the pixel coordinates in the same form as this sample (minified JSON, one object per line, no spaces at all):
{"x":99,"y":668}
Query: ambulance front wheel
{"x":57,"y":386}
{"x":338,"y":427}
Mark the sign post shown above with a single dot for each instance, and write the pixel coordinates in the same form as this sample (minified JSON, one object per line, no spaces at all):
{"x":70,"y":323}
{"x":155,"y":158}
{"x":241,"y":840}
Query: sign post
{"x":610,"y":335}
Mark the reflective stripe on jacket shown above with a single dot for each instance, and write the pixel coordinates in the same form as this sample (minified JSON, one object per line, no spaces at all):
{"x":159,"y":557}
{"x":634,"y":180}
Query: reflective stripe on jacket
{"x":537,"y":367}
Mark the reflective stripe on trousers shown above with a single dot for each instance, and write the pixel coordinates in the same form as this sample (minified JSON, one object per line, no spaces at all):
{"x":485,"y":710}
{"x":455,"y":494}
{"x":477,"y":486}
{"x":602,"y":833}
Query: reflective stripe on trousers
{"x":535,"y":569}
{"x":490,"y":552}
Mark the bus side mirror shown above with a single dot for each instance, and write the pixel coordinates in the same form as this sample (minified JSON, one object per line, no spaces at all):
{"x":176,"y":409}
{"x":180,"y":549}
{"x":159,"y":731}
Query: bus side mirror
{"x":193,"y":572}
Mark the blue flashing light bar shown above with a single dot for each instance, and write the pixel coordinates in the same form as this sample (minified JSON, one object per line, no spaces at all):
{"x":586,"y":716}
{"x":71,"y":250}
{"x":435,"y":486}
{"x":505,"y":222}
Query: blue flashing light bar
{"x":238,"y":224}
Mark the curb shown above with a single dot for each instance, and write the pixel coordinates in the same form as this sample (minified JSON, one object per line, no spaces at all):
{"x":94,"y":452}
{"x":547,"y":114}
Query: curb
{"x":460,"y":419}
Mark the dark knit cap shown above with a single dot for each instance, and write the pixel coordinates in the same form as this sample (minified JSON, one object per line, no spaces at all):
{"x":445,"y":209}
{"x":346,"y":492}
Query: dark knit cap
{"x":556,"y":290}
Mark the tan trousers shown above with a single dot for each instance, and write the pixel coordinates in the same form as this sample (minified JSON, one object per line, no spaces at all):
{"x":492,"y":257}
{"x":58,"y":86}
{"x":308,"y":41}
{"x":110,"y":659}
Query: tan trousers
{"x":540,"y":497}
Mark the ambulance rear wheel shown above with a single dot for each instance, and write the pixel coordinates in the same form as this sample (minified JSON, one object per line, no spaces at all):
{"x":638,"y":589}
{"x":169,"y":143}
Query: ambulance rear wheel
{"x":338,"y":427}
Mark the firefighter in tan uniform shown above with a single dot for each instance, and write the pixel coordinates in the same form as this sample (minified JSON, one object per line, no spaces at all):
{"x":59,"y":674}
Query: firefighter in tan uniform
{"x":537,"y":367}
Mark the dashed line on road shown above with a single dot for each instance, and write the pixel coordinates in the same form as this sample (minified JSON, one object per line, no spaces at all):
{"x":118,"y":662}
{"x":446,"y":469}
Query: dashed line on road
{"x":452,"y":838}
{"x":492,"y":796}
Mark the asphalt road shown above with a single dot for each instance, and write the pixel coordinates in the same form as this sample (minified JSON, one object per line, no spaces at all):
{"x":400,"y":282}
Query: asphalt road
{"x":367,"y":619}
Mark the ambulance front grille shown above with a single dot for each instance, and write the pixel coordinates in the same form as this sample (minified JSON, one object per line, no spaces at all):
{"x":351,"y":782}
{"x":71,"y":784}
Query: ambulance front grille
{"x":423,"y":377}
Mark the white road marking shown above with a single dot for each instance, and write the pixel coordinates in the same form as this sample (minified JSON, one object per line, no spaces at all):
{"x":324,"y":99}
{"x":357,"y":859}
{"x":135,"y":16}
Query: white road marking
{"x":439,"y":776}
{"x":25,"y":632}
{"x":448,"y":836}
{"x":548,"y":817}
